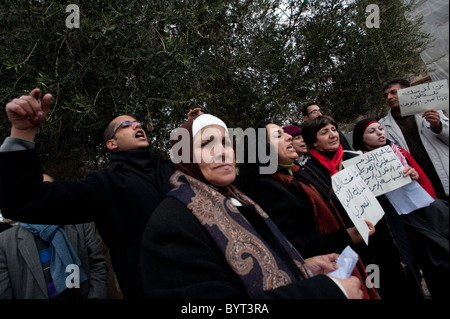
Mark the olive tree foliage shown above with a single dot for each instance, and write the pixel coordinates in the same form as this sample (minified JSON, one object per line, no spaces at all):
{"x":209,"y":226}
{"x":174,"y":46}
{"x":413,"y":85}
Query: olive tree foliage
{"x":341,"y":62}
{"x":240,"y":60}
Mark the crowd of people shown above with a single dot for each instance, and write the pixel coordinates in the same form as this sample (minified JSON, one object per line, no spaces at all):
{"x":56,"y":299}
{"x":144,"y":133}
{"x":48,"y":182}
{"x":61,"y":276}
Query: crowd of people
{"x":208,"y":227}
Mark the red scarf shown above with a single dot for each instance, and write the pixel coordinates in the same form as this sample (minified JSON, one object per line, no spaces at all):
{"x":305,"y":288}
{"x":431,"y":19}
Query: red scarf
{"x":327,"y":220}
{"x":331,"y":165}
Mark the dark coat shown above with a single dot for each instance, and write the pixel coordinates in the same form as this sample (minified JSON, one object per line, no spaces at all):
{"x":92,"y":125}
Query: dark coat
{"x":321,"y":176}
{"x":292,"y":212}
{"x":120,"y":199}
{"x":180,"y":260}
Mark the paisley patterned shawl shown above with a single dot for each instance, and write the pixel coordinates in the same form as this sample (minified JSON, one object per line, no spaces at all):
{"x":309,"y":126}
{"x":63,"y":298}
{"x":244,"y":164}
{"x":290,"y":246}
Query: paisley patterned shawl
{"x":258,"y":267}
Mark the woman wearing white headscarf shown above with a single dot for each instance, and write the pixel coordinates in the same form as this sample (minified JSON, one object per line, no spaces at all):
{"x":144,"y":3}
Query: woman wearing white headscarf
{"x":209,"y":240}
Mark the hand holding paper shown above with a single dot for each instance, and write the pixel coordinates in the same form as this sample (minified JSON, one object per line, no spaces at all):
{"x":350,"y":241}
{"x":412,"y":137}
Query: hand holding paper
{"x":346,"y":262}
{"x":356,"y":236}
{"x":321,"y":264}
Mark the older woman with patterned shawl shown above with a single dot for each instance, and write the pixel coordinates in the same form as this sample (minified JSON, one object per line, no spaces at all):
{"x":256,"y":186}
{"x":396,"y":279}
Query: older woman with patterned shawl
{"x":208,"y":240}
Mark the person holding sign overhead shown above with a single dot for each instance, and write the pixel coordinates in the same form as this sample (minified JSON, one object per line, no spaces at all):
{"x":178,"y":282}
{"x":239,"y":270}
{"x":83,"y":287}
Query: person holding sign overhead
{"x":425,"y":136}
{"x":389,"y":248}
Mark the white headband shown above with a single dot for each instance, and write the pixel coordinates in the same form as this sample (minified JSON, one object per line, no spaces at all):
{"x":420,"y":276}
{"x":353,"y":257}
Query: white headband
{"x":206,"y":120}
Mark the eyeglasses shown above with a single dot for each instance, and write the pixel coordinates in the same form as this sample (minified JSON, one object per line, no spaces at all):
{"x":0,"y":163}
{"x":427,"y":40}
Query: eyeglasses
{"x":315,"y":112}
{"x":125,"y":124}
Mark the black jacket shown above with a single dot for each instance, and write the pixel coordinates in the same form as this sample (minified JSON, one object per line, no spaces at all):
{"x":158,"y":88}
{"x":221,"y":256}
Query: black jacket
{"x":119,"y":199}
{"x":180,"y":260}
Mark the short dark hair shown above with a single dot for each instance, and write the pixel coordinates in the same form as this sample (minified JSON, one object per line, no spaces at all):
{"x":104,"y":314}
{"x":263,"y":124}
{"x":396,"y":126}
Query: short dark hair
{"x":404,"y":83}
{"x":305,"y":108}
{"x":109,"y":129}
{"x":310,"y":128}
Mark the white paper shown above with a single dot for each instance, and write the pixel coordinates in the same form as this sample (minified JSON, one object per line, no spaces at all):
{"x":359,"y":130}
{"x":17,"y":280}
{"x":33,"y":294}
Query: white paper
{"x":380,"y":169}
{"x":418,"y":98}
{"x":346,"y":263}
{"x":357,"y":199}
{"x":409,"y":198}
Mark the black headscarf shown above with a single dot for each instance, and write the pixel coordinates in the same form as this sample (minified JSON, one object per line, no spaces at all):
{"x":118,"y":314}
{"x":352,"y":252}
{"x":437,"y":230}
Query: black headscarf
{"x":358,"y":133}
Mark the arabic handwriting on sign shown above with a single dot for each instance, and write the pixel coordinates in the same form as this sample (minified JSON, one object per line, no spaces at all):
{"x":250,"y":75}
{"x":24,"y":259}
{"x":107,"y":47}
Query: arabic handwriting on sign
{"x":358,"y":187}
{"x":354,"y":191}
{"x":360,"y":208}
{"x":397,"y":177}
{"x":415,"y":100}
{"x":347,"y":180}
{"x":348,"y":198}
{"x":381,"y":169}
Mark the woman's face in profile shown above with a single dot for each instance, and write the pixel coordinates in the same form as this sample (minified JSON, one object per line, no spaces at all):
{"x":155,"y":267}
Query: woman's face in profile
{"x":282,"y":142}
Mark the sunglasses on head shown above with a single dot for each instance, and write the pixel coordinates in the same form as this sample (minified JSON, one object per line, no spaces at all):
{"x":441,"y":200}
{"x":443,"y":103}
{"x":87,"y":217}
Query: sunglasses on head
{"x":124,"y":124}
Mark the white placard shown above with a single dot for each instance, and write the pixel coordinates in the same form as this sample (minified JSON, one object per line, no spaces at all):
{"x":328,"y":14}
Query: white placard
{"x":416,"y":99}
{"x":357,"y":199}
{"x":380,"y":169}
